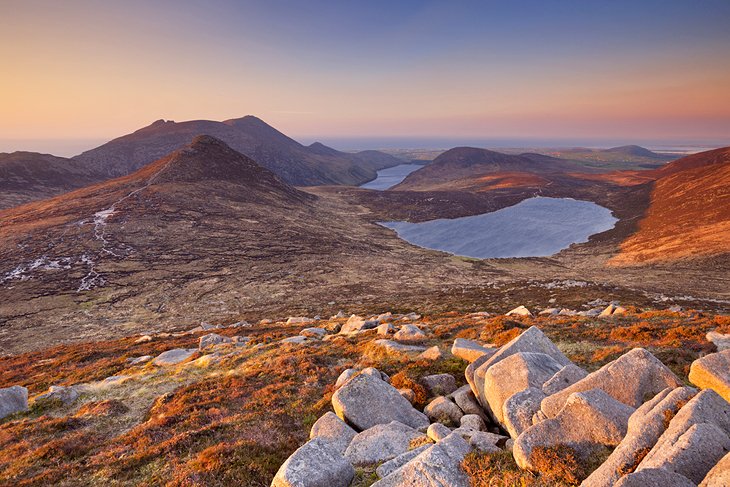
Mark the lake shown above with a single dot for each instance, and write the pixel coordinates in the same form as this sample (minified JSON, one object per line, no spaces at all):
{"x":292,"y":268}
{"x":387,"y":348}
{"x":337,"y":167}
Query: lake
{"x":536,"y":227}
{"x":387,"y":178}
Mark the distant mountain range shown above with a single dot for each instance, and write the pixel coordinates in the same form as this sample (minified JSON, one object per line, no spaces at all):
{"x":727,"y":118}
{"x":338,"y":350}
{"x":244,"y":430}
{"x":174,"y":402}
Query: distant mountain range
{"x":28,"y":176}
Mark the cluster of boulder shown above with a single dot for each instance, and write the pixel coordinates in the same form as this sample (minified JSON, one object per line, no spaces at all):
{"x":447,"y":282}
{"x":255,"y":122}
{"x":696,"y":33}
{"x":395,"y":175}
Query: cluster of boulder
{"x":633,"y":416}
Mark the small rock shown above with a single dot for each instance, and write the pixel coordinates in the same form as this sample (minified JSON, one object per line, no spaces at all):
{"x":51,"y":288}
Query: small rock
{"x":139,"y":360}
{"x":385,"y":329}
{"x":65,"y":394}
{"x":372,"y":371}
{"x":344,"y":377}
{"x":409,"y":333}
{"x":408,"y":394}
{"x":356,"y":324}
{"x":316,"y":464}
{"x":295,"y":340}
{"x":433,"y":354}
{"x":519,"y":311}
{"x":467,"y":402}
{"x":549,"y":311}
{"x":470,"y":350}
{"x":143,"y":339}
{"x":395,"y":348}
{"x":174,"y":356}
{"x":313,"y":332}
{"x":212,"y":339}
{"x":392,"y":465}
{"x":485,"y":442}
{"x":297,"y":320}
{"x":443,"y":411}
{"x":518,"y":411}
{"x":473,"y":421}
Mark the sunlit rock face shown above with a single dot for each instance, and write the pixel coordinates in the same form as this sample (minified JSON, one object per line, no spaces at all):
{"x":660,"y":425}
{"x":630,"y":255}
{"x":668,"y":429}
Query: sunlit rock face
{"x":536,"y":227}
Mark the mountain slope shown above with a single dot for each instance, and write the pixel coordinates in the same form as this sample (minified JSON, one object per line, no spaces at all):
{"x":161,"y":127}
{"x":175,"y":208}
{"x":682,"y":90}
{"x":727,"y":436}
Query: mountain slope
{"x":468,"y":167}
{"x":28,"y":176}
{"x":689,"y":213}
{"x":295,"y":163}
{"x":203,"y":230}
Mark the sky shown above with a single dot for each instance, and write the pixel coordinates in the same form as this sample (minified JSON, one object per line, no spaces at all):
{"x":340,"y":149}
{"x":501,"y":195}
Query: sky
{"x":74,"y":72}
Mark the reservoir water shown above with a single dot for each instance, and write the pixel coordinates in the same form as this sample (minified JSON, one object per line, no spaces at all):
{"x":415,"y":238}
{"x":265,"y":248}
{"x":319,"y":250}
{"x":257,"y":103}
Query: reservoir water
{"x":387,"y":178}
{"x":536,"y":227}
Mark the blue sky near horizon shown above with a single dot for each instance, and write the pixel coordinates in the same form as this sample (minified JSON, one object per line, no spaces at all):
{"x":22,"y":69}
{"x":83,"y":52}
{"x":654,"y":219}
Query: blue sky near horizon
{"x":564,"y":69}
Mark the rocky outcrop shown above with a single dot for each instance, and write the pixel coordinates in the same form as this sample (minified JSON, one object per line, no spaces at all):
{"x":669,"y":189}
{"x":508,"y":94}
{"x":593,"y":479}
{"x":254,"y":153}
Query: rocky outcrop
{"x":712,"y":372}
{"x":316,"y":464}
{"x":514,"y":374}
{"x":645,"y":427}
{"x":212,"y":339}
{"x":631,"y":379}
{"x":437,"y":466}
{"x":695,"y":440}
{"x":591,"y":420}
{"x":366,"y":401}
{"x":394,"y":348}
{"x":174,"y":356}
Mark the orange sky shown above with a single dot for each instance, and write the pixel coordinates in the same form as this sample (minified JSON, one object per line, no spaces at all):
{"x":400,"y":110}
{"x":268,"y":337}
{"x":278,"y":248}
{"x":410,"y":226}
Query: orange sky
{"x":92,"y":70}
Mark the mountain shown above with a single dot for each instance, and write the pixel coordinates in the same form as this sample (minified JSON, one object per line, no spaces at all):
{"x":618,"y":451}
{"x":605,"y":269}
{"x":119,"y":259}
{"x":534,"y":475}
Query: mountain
{"x":633,"y":151}
{"x":28,"y":176}
{"x":202,"y":230}
{"x":469,"y":167}
{"x":293,"y":162}
{"x":689,"y":213}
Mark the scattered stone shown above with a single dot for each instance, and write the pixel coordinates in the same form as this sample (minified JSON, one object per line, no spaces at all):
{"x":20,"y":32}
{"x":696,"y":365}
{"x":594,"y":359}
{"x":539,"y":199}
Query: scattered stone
{"x":409,"y":333}
{"x":473,"y":421}
{"x":356,"y":324}
{"x":485,"y":442}
{"x":316,"y":464}
{"x":174,"y":356}
{"x":408,"y":394}
{"x":143,"y":339}
{"x":438,"y":465}
{"x":381,"y":443}
{"x":518,"y":411}
{"x":340,"y":314}
{"x":444,"y":411}
{"x":365,"y":401}
{"x":645,"y":427}
{"x":395,"y":348}
{"x":549,"y":312}
{"x":611,"y":310}
{"x":433,"y":354}
{"x":212,"y":339}
{"x":467,"y":402}
{"x":386,"y":329}
{"x":266,"y":321}
{"x":242,"y":340}
{"x":240,"y":324}
{"x":298,"y":320}
{"x":139,"y":360}
{"x":591,"y":420}
{"x":721,"y":341}
{"x":65,"y":394}
{"x":712,"y":372}
{"x":515,"y":374}
{"x":470,"y":350}
{"x":439,"y":384}
{"x":385,"y":317}
{"x":438,"y":431}
{"x":313,"y":332}
{"x":411,"y":317}
{"x":565,"y":377}
{"x":719,"y":476}
{"x":392,"y":465}
{"x":696,"y":439}
{"x":630,"y":379}
{"x":519,"y":311}
{"x":295,"y":340}
{"x":655,"y":477}
{"x":206,"y":360}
